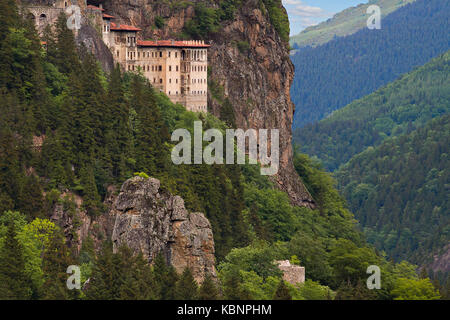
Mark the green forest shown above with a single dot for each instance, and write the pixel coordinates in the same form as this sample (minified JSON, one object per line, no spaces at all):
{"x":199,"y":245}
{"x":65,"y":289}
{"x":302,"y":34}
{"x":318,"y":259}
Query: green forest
{"x":398,"y":108}
{"x":388,"y":152}
{"x":330,"y":76}
{"x":399,"y":192}
{"x":98,"y":130}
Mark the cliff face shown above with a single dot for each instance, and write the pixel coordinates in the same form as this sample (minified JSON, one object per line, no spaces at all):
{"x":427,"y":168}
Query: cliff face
{"x":147,"y":220}
{"x":249,"y":64}
{"x":150,"y":221}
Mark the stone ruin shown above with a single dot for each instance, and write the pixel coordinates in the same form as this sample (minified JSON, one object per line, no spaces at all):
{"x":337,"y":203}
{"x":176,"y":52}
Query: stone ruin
{"x":291,"y":273}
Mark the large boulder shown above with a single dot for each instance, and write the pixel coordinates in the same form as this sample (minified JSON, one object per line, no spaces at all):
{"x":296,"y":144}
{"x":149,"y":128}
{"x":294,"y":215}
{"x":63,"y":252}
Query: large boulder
{"x":151,"y":221}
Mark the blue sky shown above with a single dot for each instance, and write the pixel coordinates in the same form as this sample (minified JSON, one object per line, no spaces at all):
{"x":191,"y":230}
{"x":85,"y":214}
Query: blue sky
{"x":305,"y":13}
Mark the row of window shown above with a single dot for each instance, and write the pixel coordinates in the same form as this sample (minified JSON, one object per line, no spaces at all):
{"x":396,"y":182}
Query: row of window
{"x":199,"y":109}
{"x":199,"y":93}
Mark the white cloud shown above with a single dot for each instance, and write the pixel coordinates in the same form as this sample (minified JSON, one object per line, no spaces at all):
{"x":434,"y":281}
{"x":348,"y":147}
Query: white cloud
{"x":291,"y":2}
{"x":304,"y":15}
{"x":304,"y":10}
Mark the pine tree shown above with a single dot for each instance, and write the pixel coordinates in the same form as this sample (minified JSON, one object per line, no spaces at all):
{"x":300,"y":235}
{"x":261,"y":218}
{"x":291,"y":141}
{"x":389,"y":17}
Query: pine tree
{"x":106,"y":281}
{"x":208,"y":290}
{"x":9,"y":18}
{"x":14,"y":283}
{"x":166,"y":278}
{"x":151,"y":152}
{"x":57,"y":258}
{"x":65,"y":58}
{"x":187,"y":287}
{"x":282,"y":292}
{"x":118,"y":133}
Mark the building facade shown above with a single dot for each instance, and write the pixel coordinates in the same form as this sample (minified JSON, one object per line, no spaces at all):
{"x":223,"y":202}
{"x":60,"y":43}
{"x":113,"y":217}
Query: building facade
{"x":177,"y":68}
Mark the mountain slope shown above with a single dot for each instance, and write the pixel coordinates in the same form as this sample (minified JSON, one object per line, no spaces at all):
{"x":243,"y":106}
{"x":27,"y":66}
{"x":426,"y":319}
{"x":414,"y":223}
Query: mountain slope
{"x":344,"y":23}
{"x":330,"y":76}
{"x":398,"y":108}
{"x":399,"y":192}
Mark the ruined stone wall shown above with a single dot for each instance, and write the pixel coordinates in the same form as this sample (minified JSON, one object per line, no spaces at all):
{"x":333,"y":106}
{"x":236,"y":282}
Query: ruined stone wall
{"x":291,"y":273}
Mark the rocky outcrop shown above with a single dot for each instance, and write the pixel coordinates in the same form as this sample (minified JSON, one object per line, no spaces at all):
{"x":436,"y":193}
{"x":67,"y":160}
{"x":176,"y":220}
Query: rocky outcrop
{"x":255,"y":77}
{"x":151,"y":221}
{"x":91,"y":39}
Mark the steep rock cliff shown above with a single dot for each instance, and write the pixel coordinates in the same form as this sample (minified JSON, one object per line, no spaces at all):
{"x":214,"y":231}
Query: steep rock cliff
{"x":151,"y":221}
{"x":249,"y":63}
{"x":147,"y":220}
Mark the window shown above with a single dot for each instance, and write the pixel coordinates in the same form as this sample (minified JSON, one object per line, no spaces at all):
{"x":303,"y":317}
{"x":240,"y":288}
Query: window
{"x":170,"y":67}
{"x":160,"y":68}
{"x":177,"y":68}
{"x":170,"y":80}
{"x":160,"y":80}
{"x":169,"y":54}
{"x":160,"y":54}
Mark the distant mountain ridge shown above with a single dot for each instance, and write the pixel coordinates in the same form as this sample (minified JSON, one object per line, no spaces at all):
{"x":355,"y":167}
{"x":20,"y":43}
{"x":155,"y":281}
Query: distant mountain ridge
{"x":398,"y":108}
{"x":399,"y":193}
{"x":344,"y":23}
{"x":330,"y":76}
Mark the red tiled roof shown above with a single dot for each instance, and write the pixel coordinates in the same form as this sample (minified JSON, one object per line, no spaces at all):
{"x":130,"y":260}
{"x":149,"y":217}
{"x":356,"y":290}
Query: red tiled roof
{"x":107,"y":16}
{"x":123,"y":27}
{"x":172,"y":43}
{"x":95,"y":8}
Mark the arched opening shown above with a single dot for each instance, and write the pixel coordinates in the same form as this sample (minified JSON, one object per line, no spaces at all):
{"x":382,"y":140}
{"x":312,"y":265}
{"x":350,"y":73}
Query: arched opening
{"x":42,"y":18}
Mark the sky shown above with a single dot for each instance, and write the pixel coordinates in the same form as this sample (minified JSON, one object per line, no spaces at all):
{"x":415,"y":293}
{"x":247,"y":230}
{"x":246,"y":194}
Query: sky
{"x":305,"y":13}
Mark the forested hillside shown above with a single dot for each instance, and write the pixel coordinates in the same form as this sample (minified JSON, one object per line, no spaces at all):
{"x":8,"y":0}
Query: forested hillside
{"x":343,"y":23}
{"x":398,"y":108}
{"x":399,"y":192}
{"x":330,"y":76}
{"x":66,"y":127}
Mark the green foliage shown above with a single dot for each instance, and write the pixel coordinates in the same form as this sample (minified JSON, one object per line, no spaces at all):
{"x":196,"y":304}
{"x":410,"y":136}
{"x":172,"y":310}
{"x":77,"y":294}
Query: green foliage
{"x":186,"y":287}
{"x":208,"y":290}
{"x":243,"y":46}
{"x":141,"y":174}
{"x":159,"y":22}
{"x":282,"y":292}
{"x":410,"y":289}
{"x":405,"y":212}
{"x":344,"y":23}
{"x":204,"y":23}
{"x":278,"y":18}
{"x":349,"y":68}
{"x":402,"y":106}
{"x":14,"y":282}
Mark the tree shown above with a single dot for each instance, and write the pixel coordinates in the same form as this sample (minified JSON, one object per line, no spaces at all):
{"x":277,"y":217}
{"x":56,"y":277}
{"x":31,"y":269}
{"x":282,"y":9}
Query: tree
{"x":282,"y":292}
{"x":166,"y":278}
{"x":414,"y":289}
{"x":14,"y":283}
{"x":187,"y":287}
{"x":208,"y":290}
{"x":57,"y":258}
